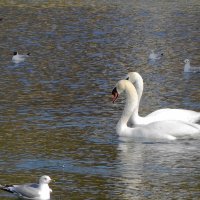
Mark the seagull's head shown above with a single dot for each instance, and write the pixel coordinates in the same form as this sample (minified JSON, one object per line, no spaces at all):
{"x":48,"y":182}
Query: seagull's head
{"x":45,"y":179}
{"x":186,"y":61}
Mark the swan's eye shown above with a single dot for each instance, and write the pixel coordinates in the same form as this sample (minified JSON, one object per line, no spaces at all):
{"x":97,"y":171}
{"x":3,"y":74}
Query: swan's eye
{"x":127,"y":78}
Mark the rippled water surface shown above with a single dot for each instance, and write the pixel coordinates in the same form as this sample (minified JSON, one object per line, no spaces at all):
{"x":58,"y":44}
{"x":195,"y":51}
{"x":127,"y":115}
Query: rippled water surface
{"x":57,"y":117}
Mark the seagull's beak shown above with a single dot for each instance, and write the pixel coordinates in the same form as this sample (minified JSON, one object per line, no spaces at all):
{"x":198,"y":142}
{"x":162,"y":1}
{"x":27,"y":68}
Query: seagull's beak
{"x":52,"y":180}
{"x":114,"y":95}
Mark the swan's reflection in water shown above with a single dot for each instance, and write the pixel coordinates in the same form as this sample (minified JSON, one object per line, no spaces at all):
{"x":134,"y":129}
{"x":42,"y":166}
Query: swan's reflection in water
{"x":130,"y":169}
{"x":158,"y":170}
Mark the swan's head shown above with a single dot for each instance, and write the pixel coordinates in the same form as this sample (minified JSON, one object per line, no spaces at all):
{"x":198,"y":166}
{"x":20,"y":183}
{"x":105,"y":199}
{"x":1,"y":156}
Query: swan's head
{"x":44,"y":179}
{"x":133,"y":77}
{"x":15,"y":53}
{"x":119,"y":88}
{"x":186,"y":61}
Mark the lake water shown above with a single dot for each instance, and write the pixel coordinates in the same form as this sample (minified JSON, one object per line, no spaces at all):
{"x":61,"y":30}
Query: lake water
{"x":57,"y":117}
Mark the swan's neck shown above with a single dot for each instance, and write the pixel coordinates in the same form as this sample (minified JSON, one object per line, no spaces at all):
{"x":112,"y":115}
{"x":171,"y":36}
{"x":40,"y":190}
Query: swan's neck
{"x":139,"y":88}
{"x":130,"y":106}
{"x":138,"y":83}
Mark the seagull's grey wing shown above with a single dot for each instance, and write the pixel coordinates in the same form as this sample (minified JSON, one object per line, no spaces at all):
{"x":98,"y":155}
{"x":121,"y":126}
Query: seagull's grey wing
{"x":27,"y":190}
{"x":23,"y":56}
{"x":196,"y":69}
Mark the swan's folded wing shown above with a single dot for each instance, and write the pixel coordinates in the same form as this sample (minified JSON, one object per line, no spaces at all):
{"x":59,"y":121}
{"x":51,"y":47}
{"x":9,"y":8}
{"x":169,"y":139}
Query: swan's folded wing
{"x":174,"y":114}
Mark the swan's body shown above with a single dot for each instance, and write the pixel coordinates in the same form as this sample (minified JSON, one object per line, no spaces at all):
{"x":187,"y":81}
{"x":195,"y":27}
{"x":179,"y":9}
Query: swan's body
{"x":155,"y":56}
{"x":17,"y":58}
{"x":161,"y":129}
{"x":161,"y":114}
{"x":33,"y":191}
{"x":188,"y":68}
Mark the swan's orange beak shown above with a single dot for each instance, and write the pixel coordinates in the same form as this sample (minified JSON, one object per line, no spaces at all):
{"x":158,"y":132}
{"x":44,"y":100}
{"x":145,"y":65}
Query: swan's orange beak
{"x":114,"y":95}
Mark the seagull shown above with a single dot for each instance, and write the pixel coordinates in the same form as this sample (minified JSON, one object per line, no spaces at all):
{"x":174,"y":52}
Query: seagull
{"x":17,"y":58}
{"x":155,"y":56}
{"x":188,"y":68}
{"x":32,"y":191}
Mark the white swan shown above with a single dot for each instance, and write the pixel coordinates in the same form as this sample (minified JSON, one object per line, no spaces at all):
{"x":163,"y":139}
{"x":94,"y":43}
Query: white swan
{"x":17,"y":58}
{"x":188,"y":68}
{"x":161,"y":114}
{"x":168,"y":129}
{"x":155,"y":56}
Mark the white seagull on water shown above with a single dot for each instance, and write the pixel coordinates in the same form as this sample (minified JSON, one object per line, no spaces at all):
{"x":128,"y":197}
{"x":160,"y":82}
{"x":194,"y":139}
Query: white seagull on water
{"x":155,"y":56}
{"x":188,"y":68}
{"x":32,"y":191}
{"x":17,"y":58}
